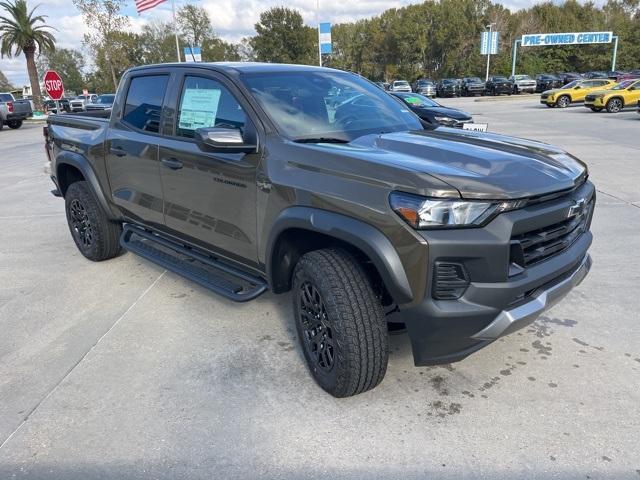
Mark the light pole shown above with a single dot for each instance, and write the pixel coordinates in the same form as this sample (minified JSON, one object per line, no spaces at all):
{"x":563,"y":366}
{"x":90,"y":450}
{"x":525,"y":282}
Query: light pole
{"x":489,"y":38}
{"x":318,"y":25}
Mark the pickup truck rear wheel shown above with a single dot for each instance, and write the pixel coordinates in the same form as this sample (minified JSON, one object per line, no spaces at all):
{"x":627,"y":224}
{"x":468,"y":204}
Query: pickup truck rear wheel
{"x":95,"y":235}
{"x":340,"y":323}
{"x":14,"y":124}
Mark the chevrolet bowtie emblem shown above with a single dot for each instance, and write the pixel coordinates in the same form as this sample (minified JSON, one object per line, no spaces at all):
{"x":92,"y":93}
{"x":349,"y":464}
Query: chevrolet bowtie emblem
{"x":577,"y":209}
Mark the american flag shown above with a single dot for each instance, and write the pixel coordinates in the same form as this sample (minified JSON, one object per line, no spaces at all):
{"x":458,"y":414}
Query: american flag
{"x":142,"y":5}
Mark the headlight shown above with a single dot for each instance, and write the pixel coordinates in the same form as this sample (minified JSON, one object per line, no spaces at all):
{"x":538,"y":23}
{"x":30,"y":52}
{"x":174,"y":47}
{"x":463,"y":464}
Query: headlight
{"x":423,"y":213}
{"x":446,"y":120}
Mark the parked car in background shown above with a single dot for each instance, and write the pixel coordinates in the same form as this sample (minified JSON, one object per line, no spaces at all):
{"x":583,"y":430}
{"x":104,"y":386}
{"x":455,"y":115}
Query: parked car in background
{"x":425,"y":87}
{"x":78,"y":103}
{"x":523,"y":83}
{"x":13,"y":112}
{"x":568,"y":77}
{"x":497,"y":85}
{"x":595,"y":74}
{"x":573,"y":92}
{"x":432,"y":112}
{"x":629,"y":75}
{"x":614,"y":99}
{"x":50,"y":106}
{"x":400,"y":86}
{"x":472,"y":86}
{"x":546,"y":81}
{"x":383,"y":85}
{"x":448,"y":87}
{"x":103,"y":102}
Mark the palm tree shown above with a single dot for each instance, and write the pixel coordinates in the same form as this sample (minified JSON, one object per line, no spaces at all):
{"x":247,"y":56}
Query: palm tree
{"x":23,"y":31}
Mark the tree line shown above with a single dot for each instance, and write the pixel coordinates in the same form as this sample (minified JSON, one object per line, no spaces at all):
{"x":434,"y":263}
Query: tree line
{"x":436,"y":39}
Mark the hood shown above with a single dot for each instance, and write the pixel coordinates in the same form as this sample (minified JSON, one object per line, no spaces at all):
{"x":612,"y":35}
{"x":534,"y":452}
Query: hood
{"x":480,"y":165}
{"x":443,"y":111}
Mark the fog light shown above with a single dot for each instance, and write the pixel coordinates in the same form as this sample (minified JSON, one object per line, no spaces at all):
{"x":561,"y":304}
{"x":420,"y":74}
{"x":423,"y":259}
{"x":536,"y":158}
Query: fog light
{"x":450,"y":281}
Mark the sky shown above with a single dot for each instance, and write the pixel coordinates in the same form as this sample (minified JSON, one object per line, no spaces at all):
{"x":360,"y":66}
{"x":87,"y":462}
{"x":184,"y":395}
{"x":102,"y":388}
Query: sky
{"x":231,"y":19}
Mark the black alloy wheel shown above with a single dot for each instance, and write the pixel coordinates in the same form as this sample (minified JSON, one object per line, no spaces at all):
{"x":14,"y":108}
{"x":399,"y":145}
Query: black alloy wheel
{"x":80,"y":223}
{"x":317,"y":327}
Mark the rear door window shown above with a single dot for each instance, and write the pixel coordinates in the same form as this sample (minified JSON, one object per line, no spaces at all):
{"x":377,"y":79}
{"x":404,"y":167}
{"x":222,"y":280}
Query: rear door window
{"x":143,"y":105}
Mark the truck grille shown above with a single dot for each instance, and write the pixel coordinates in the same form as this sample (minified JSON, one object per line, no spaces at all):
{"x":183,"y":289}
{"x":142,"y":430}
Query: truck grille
{"x":537,"y":245}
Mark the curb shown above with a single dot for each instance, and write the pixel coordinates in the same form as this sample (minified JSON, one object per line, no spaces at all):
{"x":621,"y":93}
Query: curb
{"x":506,"y":98}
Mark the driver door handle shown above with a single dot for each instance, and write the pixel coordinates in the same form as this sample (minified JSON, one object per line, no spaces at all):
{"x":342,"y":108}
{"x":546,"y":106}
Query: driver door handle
{"x":172,"y":163}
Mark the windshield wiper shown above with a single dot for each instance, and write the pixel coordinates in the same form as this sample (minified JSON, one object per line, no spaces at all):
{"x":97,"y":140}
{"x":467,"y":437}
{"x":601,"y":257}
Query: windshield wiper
{"x":321,"y":140}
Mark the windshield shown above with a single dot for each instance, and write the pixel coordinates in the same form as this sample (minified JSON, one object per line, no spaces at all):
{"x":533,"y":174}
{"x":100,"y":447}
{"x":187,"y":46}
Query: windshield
{"x":473,"y":79}
{"x":315,"y":104}
{"x":623,"y":85}
{"x":401,"y":82}
{"x":105,"y":99}
{"x":575,"y":83}
{"x":500,"y":79}
{"x":522,"y":77}
{"x":416,"y":100}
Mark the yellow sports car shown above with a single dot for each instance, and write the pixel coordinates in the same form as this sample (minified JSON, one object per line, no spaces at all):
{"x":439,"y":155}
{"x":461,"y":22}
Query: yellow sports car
{"x":626,"y":93}
{"x":573,"y":92}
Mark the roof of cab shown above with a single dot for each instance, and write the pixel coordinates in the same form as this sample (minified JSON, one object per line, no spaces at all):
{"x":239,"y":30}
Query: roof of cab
{"x":237,"y":67}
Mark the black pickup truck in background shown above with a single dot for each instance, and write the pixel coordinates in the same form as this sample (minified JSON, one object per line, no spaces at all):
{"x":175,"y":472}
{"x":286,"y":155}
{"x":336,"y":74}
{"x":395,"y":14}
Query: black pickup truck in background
{"x":247,"y":177}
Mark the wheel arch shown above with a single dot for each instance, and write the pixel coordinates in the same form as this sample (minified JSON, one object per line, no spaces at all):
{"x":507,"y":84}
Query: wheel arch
{"x":298,"y":230}
{"x":72,"y":167}
{"x":616,"y":97}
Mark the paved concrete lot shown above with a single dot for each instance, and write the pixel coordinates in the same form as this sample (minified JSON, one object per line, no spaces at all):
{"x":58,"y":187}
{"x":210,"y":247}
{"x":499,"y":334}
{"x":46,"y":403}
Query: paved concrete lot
{"x":120,"y":370}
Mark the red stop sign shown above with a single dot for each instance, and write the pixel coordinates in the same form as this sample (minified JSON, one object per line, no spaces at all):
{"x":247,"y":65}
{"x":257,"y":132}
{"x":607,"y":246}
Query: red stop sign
{"x":53,"y":85}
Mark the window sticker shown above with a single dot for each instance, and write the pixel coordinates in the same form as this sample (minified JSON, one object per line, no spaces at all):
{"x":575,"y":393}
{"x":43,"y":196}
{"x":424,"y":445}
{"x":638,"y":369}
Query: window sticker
{"x":199,"y":108}
{"x":413,"y":100}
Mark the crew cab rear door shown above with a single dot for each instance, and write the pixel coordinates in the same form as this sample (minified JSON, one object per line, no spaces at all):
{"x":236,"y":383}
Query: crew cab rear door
{"x":209,"y":197}
{"x":132,"y":148}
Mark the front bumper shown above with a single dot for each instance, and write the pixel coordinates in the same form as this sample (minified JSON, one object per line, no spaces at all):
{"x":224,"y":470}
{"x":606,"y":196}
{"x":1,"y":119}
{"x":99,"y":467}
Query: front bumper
{"x":499,"y":298}
{"x":526,"y":88}
{"x":595,"y":103}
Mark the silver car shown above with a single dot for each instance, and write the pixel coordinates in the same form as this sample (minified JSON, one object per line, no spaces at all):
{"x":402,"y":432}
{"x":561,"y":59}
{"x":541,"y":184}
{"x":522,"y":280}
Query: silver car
{"x":400,"y":86}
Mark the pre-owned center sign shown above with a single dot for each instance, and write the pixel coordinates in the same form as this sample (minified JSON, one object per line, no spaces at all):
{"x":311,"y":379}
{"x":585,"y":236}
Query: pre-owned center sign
{"x":570,"y":38}
{"x":574,"y":38}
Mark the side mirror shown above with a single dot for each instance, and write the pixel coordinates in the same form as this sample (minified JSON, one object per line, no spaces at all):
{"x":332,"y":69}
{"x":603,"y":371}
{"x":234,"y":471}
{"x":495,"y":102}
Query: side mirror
{"x":577,"y":88}
{"x":224,"y":140}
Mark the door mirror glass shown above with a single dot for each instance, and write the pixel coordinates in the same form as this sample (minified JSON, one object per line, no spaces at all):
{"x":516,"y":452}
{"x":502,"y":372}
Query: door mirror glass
{"x":223,"y":140}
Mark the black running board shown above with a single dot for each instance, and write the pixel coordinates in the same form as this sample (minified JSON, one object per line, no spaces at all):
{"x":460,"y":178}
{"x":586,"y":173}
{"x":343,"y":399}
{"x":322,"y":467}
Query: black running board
{"x":211,"y":273}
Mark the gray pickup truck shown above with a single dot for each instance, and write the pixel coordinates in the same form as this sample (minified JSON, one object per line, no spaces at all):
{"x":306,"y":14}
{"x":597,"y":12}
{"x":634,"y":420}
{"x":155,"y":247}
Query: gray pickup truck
{"x":249,"y":177}
{"x":13,"y":112}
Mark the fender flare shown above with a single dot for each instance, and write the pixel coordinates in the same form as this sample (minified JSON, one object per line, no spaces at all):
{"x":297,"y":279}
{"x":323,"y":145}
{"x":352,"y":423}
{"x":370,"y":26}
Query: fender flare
{"x":81,"y":163}
{"x":361,"y":235}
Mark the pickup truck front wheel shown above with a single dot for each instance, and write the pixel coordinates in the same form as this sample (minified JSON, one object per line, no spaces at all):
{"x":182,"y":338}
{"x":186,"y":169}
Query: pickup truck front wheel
{"x":340,"y":323}
{"x":95,"y":235}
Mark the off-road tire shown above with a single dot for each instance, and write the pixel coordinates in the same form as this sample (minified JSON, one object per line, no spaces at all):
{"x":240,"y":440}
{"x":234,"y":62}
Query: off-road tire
{"x":95,"y":235}
{"x":14,"y":124}
{"x":349,"y":321}
{"x":614,"y":105}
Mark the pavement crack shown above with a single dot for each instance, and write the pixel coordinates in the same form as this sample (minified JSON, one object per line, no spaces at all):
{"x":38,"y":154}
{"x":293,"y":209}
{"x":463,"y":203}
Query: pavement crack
{"x":73,"y":367}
